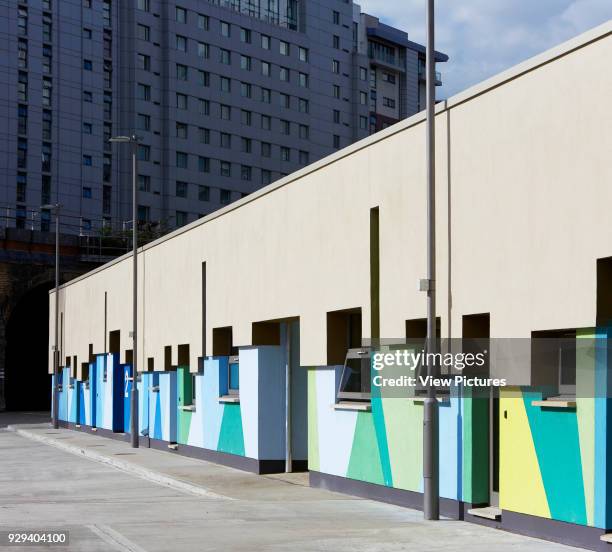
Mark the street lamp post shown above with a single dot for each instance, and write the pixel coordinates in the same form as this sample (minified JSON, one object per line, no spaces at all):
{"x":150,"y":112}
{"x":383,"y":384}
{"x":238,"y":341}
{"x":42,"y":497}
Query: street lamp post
{"x":133,"y":140}
{"x":431,"y":468}
{"x":55,"y":413}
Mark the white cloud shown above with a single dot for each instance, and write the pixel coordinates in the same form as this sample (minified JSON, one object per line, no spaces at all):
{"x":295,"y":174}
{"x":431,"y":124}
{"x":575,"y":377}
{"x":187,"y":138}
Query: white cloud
{"x":484,"y":37}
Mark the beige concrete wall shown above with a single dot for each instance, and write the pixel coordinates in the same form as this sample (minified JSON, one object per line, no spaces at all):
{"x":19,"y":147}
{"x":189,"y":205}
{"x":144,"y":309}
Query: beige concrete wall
{"x":523,"y":160}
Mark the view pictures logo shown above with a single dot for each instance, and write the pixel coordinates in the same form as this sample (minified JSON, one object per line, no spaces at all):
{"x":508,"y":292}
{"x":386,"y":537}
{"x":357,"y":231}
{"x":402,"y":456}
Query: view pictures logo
{"x":412,"y":360}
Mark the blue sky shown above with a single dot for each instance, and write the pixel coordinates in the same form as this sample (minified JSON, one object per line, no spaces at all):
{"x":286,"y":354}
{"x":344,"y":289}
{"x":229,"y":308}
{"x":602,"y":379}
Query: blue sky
{"x":484,"y":37}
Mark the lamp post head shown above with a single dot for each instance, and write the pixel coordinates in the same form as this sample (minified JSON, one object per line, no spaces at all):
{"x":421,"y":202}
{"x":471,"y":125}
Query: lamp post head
{"x":51,"y":206}
{"x":124,"y":139}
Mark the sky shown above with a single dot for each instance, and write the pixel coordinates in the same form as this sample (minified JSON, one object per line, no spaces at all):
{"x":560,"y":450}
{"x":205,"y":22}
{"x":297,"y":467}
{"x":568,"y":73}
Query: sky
{"x":484,"y":37}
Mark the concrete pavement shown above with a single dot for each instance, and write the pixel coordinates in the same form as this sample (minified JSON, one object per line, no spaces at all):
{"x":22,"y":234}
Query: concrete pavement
{"x":112,"y":497}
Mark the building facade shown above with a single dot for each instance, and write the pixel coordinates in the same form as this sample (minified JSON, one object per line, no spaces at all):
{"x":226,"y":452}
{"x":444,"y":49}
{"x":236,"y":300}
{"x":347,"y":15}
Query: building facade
{"x":291,"y":280}
{"x":226,"y":97}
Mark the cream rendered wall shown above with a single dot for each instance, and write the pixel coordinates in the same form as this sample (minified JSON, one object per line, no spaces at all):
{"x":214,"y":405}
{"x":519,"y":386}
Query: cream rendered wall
{"x":524,"y":159}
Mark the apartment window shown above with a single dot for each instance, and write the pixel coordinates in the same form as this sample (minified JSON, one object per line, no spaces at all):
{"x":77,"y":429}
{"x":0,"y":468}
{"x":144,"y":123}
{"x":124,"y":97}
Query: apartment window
{"x":182,"y":160}
{"x":284,"y":100}
{"x":336,"y":42}
{"x":87,"y":34}
{"x":225,"y":56}
{"x":266,"y":176}
{"x":336,"y":91}
{"x":22,"y":53}
{"x":246,"y":145}
{"x":285,"y":153}
{"x":143,"y":5}
{"x":204,"y":78}
{"x":87,"y":65}
{"x":46,"y":157}
{"x":181,"y":43}
{"x":181,"y":72}
{"x":144,"y":213}
{"x":86,"y":224}
{"x":87,"y":160}
{"x":265,"y":42}
{"x":181,"y":218}
{"x":22,"y":119}
{"x":245,"y":63}
{"x":225,"y":29}
{"x":181,"y":15}
{"x":266,"y":149}
{"x":22,"y":21}
{"x":303,"y":80}
{"x":303,"y":105}
{"x":181,"y":130}
{"x":47,"y":90}
{"x":45,"y":193}
{"x":47,"y":28}
{"x":204,"y":135}
{"x":245,"y":89}
{"x":106,"y":199}
{"x":363,"y":122}
{"x":266,"y":122}
{"x":225,"y":140}
{"x":87,"y":96}
{"x":22,"y":89}
{"x":21,"y":188}
{"x":143,"y":32}
{"x":284,"y":74}
{"x":304,"y":157}
{"x":46,"y":124}
{"x":363,"y":74}
{"x":181,"y":101}
{"x":225,"y":112}
{"x":245,"y":35}
{"x":304,"y":132}
{"x":144,"y":183}
{"x":336,"y":17}
{"x":143,"y":122}
{"x":144,"y":62}
{"x":388,"y":77}
{"x":204,"y":107}
{"x":226,"y":168}
{"x":143,"y":92}
{"x":86,"y":192}
{"x":203,"y":50}
{"x":337,"y":116}
{"x":246,"y":117}
{"x":144,"y":152}
{"x":106,"y":12}
{"x":87,"y":128}
{"x":20,"y":216}
{"x":22,"y":153}
{"x":203,"y":22}
{"x":266,"y":95}
{"x":336,"y":141}
{"x":46,"y":4}
{"x":363,"y":98}
{"x":389,"y":102}
{"x":246,"y":173}
{"x":335,"y":66}
{"x":225,"y":84}
{"x":106,"y":168}
{"x":203,"y":193}
{"x":203,"y":164}
{"x":303,"y":54}
{"x":283,"y":48}
{"x":285,"y":127}
{"x":181,"y":188}
{"x":265,"y":68}
{"x":225,"y":196}
{"x":87,"y":3}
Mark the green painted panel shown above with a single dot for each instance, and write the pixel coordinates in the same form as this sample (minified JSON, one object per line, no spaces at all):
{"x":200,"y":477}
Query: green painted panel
{"x":378,"y":417}
{"x":475,"y":475}
{"x":404,"y":425}
{"x":313,"y":425}
{"x":184,"y":389}
{"x":364,"y":463}
{"x":231,"y":438}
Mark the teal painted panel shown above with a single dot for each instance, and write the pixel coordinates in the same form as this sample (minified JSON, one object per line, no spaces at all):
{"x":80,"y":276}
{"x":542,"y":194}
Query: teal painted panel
{"x":231,"y":438}
{"x":555,"y":438}
{"x":378,"y":417}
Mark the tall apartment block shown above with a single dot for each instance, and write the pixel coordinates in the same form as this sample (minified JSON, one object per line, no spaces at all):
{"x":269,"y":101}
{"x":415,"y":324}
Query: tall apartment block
{"x":225,"y":96}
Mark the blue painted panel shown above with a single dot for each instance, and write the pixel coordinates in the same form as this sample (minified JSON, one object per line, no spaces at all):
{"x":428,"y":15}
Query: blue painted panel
{"x":125,"y":395}
{"x":93,"y":384}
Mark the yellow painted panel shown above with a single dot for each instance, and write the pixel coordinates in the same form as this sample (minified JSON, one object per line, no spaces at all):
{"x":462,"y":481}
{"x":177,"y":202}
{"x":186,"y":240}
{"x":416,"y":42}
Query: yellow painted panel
{"x":520,"y":483}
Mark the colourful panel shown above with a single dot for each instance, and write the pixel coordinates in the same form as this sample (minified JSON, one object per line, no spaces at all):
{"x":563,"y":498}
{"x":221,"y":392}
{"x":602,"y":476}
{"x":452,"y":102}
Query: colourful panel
{"x":521,"y":486}
{"x":378,"y":418}
{"x":231,"y":439}
{"x":184,"y":388}
{"x":475,"y":461}
{"x":313,"y":426}
{"x":365,"y":463}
